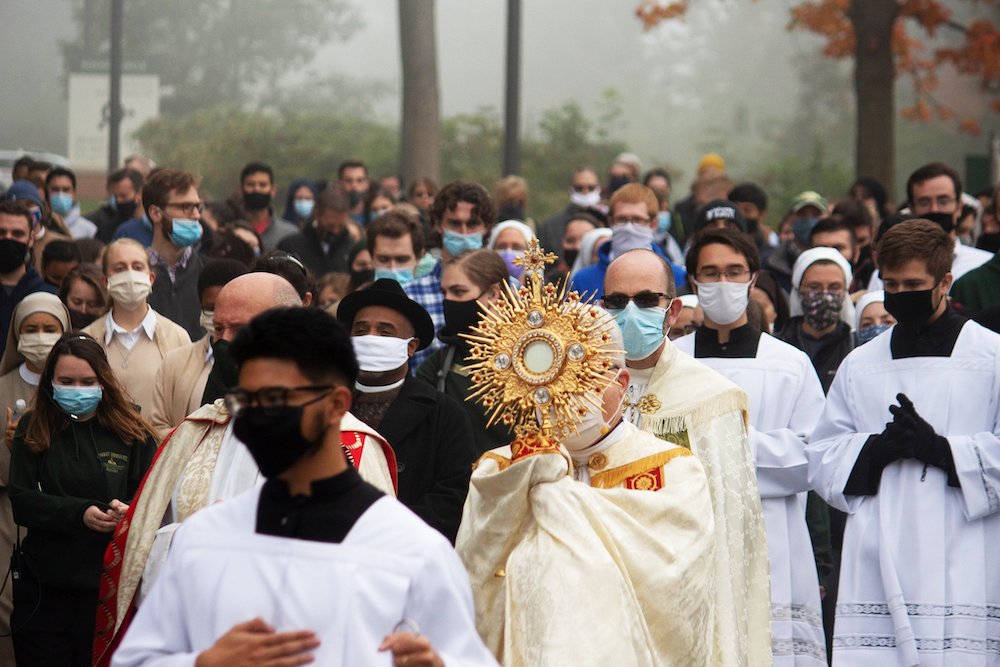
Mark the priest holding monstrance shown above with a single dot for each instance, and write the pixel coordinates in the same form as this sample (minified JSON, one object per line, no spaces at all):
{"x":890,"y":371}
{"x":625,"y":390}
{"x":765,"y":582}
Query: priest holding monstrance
{"x":587,"y":541}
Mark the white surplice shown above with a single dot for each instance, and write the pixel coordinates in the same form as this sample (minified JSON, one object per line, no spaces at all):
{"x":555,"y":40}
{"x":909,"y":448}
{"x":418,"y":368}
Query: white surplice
{"x":391,"y":567}
{"x":785,"y":400}
{"x":920,"y":572}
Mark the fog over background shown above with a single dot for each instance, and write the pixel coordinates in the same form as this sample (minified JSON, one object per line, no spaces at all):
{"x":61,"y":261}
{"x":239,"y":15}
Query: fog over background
{"x":721,"y":79}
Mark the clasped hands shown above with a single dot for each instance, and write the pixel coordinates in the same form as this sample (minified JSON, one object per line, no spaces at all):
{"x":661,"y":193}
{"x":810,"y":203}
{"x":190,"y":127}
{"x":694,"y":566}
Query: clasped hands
{"x":909,"y":436}
{"x":104,"y":521}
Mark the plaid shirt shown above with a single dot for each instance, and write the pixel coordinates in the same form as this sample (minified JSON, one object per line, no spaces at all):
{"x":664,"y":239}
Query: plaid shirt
{"x":155,"y":259}
{"x":427,"y":292}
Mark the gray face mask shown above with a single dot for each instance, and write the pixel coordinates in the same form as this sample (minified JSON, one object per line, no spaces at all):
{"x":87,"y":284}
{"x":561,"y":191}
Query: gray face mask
{"x":629,"y":236}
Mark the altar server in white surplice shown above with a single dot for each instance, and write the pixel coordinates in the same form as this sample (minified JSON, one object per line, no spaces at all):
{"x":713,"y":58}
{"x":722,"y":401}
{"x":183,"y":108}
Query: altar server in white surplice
{"x":908,"y":446}
{"x":316,"y":565}
{"x":785,"y":399}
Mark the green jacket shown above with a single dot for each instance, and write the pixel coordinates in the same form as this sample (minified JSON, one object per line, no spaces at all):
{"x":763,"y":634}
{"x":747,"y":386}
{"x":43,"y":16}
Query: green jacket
{"x":84,"y":465}
{"x":457,"y":385}
{"x":979,"y":288}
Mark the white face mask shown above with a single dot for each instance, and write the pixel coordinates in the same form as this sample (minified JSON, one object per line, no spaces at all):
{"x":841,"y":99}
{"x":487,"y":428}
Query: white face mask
{"x":592,"y":426}
{"x":205,"y":320}
{"x":35,"y":347}
{"x":723,"y":302}
{"x":586,"y":199}
{"x":129,"y":289}
{"x":629,"y":236}
{"x":378,"y":354}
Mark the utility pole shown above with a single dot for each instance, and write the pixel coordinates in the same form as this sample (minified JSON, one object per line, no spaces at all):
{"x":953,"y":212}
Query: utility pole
{"x":115,"y":103}
{"x":512,"y":100}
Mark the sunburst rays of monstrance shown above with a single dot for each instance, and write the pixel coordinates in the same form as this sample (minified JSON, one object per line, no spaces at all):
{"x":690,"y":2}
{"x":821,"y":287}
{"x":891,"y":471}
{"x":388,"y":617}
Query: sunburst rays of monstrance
{"x":539,"y":355}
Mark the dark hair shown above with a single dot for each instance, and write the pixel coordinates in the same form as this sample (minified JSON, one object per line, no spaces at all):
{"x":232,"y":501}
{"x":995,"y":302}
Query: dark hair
{"x":484,"y":267}
{"x":311,"y":338}
{"x":656,"y":171}
{"x":373,"y":194}
{"x":218,"y":272}
{"x":749,"y":193}
{"x":61,"y":171}
{"x":161,"y":184}
{"x":256,"y":168}
{"x":115,"y":412}
{"x":918,"y":239}
{"x":833,"y":223}
{"x":121,"y":174}
{"x":21,"y":207}
{"x":89,"y":274}
{"x":428,"y":183}
{"x":23,"y":161}
{"x":288,"y":266}
{"x":90,"y":249}
{"x":350,"y":164}
{"x":929,"y":171}
{"x":872,"y":188}
{"x":395,"y":224}
{"x":469,"y":192}
{"x":227,"y":245}
{"x":736,"y":240}
{"x":333,"y":198}
{"x":60,"y":250}
{"x":854,"y":213}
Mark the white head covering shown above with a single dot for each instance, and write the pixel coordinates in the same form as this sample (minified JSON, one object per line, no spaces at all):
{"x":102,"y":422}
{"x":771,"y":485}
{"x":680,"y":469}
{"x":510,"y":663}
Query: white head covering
{"x":525,"y":230}
{"x":689,"y":300}
{"x":587,"y":243}
{"x":37,"y":302}
{"x":807,"y":259}
{"x":867,"y":299}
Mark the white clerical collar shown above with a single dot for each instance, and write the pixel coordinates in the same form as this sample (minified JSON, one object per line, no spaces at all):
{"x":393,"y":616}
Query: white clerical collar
{"x":615,"y":435}
{"x":29,"y":376}
{"x":111,"y":327}
{"x":365,"y":389}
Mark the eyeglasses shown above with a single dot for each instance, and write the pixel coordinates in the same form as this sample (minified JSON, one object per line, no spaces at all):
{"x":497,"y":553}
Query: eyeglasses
{"x":942,"y":201}
{"x":624,"y":220}
{"x":584,"y":188}
{"x":645,"y":299}
{"x":187,"y":207}
{"x":271,"y":399}
{"x":735,"y":274}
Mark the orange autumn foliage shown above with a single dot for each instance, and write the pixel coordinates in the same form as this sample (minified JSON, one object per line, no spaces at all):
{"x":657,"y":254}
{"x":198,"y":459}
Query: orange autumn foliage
{"x":976,"y":55}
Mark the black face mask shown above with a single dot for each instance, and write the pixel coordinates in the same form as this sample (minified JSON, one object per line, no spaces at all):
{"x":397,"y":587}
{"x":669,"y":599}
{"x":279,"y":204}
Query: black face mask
{"x":865,"y":255}
{"x":460,"y":316}
{"x":274,"y":438}
{"x":80,"y":319}
{"x":355,"y":198}
{"x":511,"y":211}
{"x":363,"y":276}
{"x":616,"y":183}
{"x":752,"y":225}
{"x":12,"y":254}
{"x":224,"y":374}
{"x":946,"y":220}
{"x":570,"y":256}
{"x":256,"y":201}
{"x":126,"y":209}
{"x":911,"y":309}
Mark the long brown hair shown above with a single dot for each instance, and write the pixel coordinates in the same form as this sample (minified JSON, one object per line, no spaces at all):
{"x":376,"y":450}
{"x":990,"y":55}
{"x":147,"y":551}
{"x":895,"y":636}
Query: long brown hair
{"x":115,"y":412}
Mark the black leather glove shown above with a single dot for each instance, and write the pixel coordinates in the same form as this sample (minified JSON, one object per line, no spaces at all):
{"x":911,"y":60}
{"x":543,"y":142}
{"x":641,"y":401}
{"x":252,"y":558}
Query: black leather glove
{"x":879,"y":451}
{"x":928,"y":446}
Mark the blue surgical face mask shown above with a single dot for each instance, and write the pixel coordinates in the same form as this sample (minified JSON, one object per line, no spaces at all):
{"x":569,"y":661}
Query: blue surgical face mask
{"x":77,"y":401}
{"x":456,"y":243}
{"x":869,"y":332}
{"x":663,"y":222}
{"x":185,"y":232}
{"x":401,"y":276}
{"x":304,"y":207}
{"x":802,"y":228}
{"x":642,"y":329}
{"x":62,"y":202}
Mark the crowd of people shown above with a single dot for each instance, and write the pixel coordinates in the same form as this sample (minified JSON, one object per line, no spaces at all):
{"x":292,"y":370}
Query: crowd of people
{"x":793,"y":459}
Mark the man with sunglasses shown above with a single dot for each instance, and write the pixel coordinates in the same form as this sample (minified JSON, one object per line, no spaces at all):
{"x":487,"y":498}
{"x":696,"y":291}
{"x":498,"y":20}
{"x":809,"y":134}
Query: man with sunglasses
{"x":174,"y":207}
{"x":316,"y":564}
{"x":785,"y":402}
{"x":203,"y":461}
{"x":683,"y":401}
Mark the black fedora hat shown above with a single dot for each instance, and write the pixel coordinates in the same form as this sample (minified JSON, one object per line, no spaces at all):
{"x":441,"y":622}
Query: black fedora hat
{"x":387,"y":292}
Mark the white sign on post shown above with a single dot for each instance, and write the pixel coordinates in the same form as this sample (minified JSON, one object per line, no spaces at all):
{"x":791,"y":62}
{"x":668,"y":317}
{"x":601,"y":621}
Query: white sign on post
{"x":88,"y":118}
